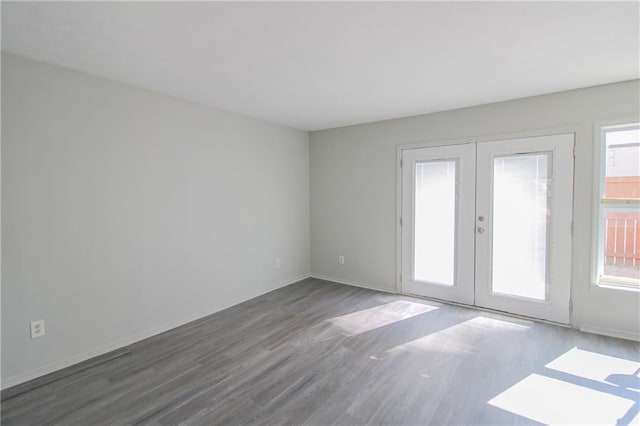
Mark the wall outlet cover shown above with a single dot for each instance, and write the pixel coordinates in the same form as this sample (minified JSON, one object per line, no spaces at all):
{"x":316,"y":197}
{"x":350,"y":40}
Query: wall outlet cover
{"x":37,"y":329}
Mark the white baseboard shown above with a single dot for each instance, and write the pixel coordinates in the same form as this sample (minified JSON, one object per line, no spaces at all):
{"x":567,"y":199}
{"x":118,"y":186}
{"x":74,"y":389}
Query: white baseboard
{"x":353,"y":283}
{"x":120,"y":343}
{"x":621,"y":334}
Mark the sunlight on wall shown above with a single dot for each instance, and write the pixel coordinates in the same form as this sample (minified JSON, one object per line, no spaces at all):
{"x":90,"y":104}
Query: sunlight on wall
{"x":579,"y":387}
{"x":379,"y":316}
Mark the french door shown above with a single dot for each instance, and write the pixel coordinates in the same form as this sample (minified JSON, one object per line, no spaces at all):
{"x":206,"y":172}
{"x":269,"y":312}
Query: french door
{"x":489,"y":224}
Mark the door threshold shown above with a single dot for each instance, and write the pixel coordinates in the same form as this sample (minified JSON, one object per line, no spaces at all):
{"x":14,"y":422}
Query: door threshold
{"x":493,"y":311}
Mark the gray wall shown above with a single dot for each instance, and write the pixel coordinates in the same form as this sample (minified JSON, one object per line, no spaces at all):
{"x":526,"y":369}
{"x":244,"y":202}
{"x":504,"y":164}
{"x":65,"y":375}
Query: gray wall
{"x":127,"y":212}
{"x":353,"y":189}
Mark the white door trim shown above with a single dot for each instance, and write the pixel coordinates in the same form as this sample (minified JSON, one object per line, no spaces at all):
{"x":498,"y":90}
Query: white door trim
{"x":425,"y":143}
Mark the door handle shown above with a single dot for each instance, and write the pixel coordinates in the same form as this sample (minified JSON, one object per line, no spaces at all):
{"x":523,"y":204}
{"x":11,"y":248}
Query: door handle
{"x":480,"y":230}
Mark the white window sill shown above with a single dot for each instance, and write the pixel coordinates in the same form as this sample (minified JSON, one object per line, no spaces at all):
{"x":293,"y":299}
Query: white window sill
{"x":616,"y":286}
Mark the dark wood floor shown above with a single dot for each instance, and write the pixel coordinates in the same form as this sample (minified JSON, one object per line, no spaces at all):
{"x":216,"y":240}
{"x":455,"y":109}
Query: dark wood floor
{"x":322,"y":353}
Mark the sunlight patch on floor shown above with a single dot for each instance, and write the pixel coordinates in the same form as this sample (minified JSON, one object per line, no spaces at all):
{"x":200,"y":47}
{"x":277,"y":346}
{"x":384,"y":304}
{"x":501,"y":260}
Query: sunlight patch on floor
{"x":552,"y":401}
{"x":578,"y":387}
{"x":459,"y":338}
{"x":379,"y":316}
{"x":598,"y":367}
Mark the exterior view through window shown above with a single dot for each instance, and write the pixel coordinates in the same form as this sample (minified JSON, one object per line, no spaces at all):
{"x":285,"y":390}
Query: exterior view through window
{"x":619,"y":242}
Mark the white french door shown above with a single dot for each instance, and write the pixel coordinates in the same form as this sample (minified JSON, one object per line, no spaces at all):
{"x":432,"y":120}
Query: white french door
{"x":438,"y":199}
{"x":489,"y":224}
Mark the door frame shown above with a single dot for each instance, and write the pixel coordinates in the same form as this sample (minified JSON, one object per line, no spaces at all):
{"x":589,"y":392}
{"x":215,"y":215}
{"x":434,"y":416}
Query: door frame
{"x":475,"y":139}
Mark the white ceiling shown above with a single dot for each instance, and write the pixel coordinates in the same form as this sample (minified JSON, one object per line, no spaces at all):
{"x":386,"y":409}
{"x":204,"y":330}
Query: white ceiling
{"x":322,"y":65}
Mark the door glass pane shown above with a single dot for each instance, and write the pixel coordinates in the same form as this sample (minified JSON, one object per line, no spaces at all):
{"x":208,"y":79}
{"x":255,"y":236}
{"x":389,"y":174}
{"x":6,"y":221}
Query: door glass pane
{"x":435,"y":221}
{"x":521,"y":189}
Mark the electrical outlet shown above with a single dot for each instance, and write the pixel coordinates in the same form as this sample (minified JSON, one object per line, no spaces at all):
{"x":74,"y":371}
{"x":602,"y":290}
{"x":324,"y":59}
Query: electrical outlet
{"x":341,"y":260}
{"x":37,"y":329}
{"x":277,"y":262}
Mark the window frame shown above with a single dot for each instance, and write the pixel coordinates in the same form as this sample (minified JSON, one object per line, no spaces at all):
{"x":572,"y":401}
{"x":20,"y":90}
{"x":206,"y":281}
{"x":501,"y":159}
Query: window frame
{"x":600,"y":159}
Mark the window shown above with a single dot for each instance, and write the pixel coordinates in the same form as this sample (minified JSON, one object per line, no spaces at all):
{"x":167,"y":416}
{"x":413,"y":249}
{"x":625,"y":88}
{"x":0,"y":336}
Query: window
{"x":619,"y":222}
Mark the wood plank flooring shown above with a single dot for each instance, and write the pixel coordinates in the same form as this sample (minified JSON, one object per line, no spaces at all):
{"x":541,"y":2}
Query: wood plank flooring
{"x":321,"y":353}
